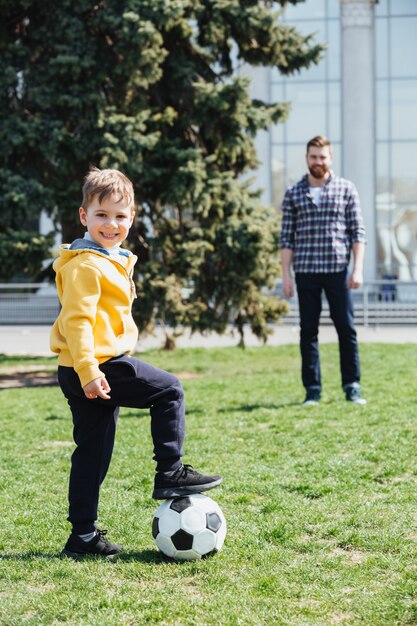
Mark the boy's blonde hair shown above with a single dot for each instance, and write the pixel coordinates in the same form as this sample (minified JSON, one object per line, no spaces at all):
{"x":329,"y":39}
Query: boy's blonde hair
{"x":106,"y":183}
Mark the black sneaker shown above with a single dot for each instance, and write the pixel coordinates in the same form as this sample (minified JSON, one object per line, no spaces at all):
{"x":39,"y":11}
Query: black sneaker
{"x":353,"y":394}
{"x":313,"y":396}
{"x":76,"y":548}
{"x":185,"y":481}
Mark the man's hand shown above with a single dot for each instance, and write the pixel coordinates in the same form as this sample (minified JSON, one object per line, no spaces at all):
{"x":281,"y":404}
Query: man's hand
{"x":287,"y":281}
{"x":355,"y":279}
{"x":97,"y":388}
{"x":287,"y":286}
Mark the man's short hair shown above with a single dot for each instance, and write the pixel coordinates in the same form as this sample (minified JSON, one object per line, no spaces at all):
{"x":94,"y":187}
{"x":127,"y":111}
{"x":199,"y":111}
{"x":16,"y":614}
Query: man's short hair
{"x":319,"y":141}
{"x":107,"y":183}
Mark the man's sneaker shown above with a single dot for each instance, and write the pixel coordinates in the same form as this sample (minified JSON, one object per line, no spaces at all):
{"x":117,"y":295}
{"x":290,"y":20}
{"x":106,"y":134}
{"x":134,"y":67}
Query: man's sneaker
{"x":353,"y":394}
{"x":76,"y":548}
{"x":312,"y":397}
{"x":184,"y":481}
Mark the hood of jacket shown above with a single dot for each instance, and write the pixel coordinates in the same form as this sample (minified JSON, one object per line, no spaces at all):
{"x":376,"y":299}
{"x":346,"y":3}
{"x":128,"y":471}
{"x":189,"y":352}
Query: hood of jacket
{"x":68,"y":251}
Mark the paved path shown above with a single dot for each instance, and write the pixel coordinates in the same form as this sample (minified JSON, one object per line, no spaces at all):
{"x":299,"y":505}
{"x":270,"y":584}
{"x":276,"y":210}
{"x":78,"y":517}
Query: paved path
{"x":34,"y":340}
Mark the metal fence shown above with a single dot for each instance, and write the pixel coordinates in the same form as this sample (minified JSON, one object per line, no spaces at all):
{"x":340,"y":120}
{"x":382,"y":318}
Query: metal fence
{"x":28,"y":304}
{"x":380,"y":302}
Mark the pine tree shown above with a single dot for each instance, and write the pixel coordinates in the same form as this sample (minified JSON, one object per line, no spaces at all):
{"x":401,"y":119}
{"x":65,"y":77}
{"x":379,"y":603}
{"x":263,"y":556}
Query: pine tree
{"x":150,"y":87}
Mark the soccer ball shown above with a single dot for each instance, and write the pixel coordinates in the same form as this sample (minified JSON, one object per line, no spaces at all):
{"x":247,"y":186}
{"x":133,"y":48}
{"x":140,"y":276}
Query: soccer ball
{"x":189,"y":527}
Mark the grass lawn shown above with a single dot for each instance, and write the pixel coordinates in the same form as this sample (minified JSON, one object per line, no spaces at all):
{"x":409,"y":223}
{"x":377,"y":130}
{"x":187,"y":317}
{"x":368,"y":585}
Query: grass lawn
{"x":320,"y":501}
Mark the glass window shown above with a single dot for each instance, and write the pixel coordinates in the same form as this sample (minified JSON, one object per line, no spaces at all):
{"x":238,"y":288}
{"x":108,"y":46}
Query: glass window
{"x":385,"y":212}
{"x":277,"y":95}
{"x":333,"y":8}
{"x":277,"y":92}
{"x":307,"y":117}
{"x":337,"y":166}
{"x":382,"y":109}
{"x":277,"y":133}
{"x":314,"y":72}
{"x":310,"y":10}
{"x":333,"y":56}
{"x":315,"y":103}
{"x":381,"y":48}
{"x":404,"y":178}
{"x":278,"y":174}
{"x":296,"y":162}
{"x":403,"y":7}
{"x":334,"y":121}
{"x":404,"y":109}
{"x":403,"y":47}
{"x":382,"y":173}
{"x":276,"y":77}
{"x":381,"y":8}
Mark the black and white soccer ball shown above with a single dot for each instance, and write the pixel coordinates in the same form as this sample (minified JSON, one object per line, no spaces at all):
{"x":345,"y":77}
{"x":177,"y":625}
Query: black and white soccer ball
{"x":189,"y":527}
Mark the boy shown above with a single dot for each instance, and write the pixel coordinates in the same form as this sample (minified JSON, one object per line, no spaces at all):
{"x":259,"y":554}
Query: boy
{"x":93,"y":336}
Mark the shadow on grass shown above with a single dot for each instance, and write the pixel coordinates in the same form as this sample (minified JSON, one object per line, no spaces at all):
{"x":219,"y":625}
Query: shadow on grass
{"x":30,"y":556}
{"x":248,"y":408}
{"x":139,"y":413}
{"x":20,"y":381}
{"x":306,"y":491}
{"x":143,"y":556}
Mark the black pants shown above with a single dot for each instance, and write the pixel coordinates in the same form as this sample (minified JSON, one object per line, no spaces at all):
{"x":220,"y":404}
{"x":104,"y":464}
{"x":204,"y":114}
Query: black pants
{"x":133,"y":384}
{"x":309,"y":290}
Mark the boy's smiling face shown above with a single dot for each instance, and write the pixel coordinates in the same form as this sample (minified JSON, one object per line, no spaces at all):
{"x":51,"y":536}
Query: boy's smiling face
{"x":108,"y":222}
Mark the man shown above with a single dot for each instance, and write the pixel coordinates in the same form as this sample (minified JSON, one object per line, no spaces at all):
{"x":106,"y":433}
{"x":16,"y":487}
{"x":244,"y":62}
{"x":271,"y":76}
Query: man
{"x":321,"y":225}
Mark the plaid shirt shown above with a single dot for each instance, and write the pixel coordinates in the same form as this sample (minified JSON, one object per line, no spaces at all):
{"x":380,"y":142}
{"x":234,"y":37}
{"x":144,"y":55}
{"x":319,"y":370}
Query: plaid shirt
{"x":321,"y":236}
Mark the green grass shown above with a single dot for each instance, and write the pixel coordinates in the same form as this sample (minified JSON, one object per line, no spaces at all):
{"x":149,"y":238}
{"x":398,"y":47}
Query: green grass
{"x":320,"y":501}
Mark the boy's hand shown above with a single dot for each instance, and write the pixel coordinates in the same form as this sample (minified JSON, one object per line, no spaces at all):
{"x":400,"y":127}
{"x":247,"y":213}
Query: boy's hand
{"x":97,"y":388}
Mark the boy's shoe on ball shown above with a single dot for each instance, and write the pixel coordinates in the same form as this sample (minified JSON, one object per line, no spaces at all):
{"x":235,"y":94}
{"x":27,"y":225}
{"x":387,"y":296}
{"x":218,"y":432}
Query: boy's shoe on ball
{"x":182,"y":482}
{"x":76,"y":548}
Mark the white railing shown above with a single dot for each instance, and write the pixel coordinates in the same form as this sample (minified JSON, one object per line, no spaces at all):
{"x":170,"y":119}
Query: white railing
{"x":380,"y":302}
{"x":28,"y":304}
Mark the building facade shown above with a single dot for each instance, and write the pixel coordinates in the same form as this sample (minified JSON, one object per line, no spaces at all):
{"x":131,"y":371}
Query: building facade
{"x":363,"y":96}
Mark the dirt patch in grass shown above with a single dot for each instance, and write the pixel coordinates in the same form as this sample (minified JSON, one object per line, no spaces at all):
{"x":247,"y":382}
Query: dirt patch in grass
{"x":28,"y":376}
{"x":187,"y":375}
{"x":33,"y":376}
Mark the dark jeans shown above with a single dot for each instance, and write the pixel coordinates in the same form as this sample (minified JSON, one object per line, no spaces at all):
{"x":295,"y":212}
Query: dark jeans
{"x":133,"y":384}
{"x":309,"y":289}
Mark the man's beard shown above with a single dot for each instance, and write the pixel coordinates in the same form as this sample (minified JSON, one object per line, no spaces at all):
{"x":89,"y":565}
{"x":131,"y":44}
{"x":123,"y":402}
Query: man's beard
{"x":318,"y":171}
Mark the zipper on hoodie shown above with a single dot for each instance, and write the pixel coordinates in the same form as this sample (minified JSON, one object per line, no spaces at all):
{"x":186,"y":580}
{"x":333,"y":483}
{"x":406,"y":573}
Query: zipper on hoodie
{"x":132,"y":285}
{"x":130,"y":279}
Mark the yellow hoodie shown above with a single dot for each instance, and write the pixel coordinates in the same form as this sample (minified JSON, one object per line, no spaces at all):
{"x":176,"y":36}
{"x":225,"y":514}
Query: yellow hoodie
{"x":96,"y":294}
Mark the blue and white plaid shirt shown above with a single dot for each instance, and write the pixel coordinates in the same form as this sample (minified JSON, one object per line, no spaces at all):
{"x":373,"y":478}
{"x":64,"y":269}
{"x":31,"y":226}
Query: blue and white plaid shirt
{"x":321,"y":236}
